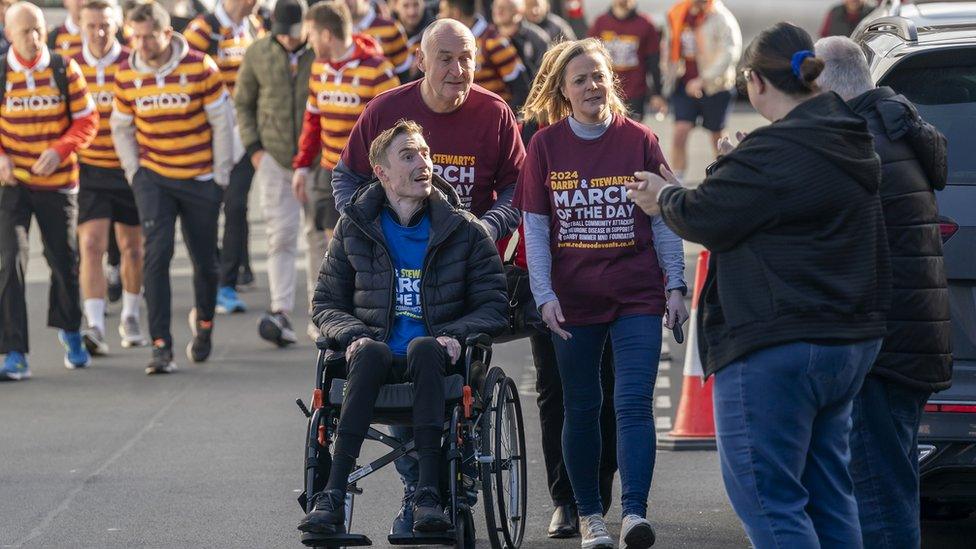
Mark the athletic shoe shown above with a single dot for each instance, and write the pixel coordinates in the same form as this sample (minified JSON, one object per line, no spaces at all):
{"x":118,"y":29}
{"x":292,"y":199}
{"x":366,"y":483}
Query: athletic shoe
{"x":162,"y":359}
{"x":593,"y":532}
{"x":328,"y":514}
{"x":199,"y":349}
{"x":636,"y":533}
{"x":228,"y":302}
{"x":15,"y":367}
{"x":245,"y":280}
{"x":403,"y":522}
{"x":114,"y":279}
{"x":75,"y":354}
{"x":428,"y":513}
{"x":94,"y":341}
{"x":131,"y":333}
{"x":276,"y":328}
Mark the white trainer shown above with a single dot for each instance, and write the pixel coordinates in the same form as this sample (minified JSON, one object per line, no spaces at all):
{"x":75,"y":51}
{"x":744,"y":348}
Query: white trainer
{"x":593,"y":533}
{"x":636,"y":533}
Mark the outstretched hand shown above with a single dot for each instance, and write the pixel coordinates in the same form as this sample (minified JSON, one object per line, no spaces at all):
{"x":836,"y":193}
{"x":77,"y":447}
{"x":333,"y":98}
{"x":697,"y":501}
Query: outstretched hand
{"x":644,"y":191}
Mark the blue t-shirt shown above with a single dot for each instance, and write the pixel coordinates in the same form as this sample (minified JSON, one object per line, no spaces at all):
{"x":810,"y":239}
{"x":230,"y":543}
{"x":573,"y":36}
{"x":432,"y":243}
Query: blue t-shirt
{"x":407,"y":247}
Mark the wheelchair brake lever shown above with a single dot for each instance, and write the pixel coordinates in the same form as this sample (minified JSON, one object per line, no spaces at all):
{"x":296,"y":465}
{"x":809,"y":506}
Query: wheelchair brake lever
{"x":303,"y":408}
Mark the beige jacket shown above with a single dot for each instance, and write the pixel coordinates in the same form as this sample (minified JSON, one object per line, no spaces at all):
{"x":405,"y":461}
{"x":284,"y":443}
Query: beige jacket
{"x":718,"y":50}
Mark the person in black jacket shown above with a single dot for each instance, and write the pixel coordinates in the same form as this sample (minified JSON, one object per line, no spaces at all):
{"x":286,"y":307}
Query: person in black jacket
{"x":793,"y":308}
{"x":915,"y":359}
{"x":407,"y":277}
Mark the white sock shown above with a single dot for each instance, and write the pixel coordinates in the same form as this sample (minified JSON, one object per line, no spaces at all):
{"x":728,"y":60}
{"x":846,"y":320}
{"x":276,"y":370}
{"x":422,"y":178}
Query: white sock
{"x":130,"y":305}
{"x":95,"y":313}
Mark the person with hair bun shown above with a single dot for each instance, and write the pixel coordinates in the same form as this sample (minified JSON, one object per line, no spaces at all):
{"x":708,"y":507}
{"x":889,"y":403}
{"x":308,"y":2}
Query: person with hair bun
{"x":793,"y":309}
{"x":599,"y":269}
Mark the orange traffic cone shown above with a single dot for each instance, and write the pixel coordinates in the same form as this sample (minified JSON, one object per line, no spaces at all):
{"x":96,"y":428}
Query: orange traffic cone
{"x":694,"y":425}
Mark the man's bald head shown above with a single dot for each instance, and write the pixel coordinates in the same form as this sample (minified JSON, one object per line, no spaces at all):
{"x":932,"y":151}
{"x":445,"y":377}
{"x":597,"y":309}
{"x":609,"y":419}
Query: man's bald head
{"x":24,"y":28}
{"x":444,"y":29}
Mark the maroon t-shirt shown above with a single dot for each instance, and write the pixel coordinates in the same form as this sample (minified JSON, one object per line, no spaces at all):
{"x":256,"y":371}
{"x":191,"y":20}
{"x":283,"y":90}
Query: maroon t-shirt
{"x":603,"y":261}
{"x":630,"y":41}
{"x":476,"y":148}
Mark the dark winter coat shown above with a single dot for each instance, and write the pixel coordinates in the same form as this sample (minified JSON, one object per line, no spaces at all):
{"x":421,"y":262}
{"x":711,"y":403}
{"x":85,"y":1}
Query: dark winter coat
{"x":462,"y":286}
{"x":916,"y":350}
{"x":794,"y":222}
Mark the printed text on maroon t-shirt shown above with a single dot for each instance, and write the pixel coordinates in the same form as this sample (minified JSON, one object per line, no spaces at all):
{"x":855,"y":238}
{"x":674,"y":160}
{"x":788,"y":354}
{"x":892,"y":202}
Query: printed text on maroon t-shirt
{"x":593,"y":213}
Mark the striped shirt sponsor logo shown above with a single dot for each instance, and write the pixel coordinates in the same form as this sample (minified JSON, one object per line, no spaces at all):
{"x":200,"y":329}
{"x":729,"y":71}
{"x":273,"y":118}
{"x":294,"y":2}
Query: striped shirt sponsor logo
{"x":338,"y":98}
{"x":162,"y":102}
{"x":33,"y":103}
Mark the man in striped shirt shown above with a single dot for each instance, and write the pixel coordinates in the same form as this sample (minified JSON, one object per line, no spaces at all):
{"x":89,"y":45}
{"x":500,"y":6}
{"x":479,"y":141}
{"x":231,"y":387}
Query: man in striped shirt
{"x":414,"y":16}
{"x":65,"y":39}
{"x":172,"y":128}
{"x":389,"y":34}
{"x":349,"y":72}
{"x":46,"y":115}
{"x":498,"y":68}
{"x":104,"y":198}
{"x":224,"y":35}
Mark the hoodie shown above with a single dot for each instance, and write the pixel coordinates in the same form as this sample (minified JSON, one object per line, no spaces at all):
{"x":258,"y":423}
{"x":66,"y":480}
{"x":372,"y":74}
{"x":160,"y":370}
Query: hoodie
{"x":310,"y":142}
{"x":916,"y":350}
{"x":794,"y":222}
{"x":220,"y":117}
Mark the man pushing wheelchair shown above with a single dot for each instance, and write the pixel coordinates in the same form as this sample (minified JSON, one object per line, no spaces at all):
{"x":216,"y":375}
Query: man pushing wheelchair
{"x":407,"y":276}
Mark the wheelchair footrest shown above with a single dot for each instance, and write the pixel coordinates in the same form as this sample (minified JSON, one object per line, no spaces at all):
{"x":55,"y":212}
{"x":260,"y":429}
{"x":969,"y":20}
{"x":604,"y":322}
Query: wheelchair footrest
{"x":423,"y":538}
{"x":310,"y":539}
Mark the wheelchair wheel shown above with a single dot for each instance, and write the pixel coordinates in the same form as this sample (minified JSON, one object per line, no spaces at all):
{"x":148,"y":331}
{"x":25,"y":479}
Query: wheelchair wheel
{"x":464,"y":537}
{"x":505,"y":476}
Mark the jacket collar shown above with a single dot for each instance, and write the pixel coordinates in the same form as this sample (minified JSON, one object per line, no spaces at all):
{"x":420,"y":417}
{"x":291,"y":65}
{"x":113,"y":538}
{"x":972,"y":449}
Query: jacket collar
{"x":480,"y":26}
{"x":111,"y":57}
{"x":442,"y":206}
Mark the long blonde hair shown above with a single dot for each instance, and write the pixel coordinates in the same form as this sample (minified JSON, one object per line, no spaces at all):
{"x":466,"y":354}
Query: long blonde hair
{"x":546,"y":104}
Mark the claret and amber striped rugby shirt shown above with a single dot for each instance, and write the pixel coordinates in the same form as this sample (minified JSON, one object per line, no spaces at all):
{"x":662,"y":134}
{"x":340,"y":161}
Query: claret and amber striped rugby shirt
{"x":231,"y":41}
{"x":497,"y":62}
{"x":338,"y":95}
{"x":391,"y":37}
{"x":34,"y":117}
{"x":169,"y":108}
{"x":100,"y":76}
{"x":66,"y":38}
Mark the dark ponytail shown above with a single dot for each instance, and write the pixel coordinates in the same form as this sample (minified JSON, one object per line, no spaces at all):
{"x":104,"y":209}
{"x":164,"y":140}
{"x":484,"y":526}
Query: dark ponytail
{"x":782,"y":55}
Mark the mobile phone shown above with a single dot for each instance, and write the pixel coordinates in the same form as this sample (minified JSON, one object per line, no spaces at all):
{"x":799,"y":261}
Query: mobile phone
{"x":678,"y":333}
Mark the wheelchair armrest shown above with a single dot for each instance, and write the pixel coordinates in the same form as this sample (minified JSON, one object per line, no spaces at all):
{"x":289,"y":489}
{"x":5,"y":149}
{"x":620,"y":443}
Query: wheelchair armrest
{"x":481,"y":341}
{"x":325,"y":343}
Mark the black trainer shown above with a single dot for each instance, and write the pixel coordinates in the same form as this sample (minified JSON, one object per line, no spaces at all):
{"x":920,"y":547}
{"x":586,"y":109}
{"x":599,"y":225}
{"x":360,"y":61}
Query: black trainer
{"x":428,"y":514}
{"x":328,"y":514}
{"x":199,"y":349}
{"x":403,"y":523}
{"x":276,"y":328}
{"x":162,"y":359}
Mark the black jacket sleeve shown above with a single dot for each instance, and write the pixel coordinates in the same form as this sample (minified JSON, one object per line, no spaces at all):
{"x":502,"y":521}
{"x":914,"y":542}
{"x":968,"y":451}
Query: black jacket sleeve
{"x":332,"y":302}
{"x":486,"y":292}
{"x":734,"y":202}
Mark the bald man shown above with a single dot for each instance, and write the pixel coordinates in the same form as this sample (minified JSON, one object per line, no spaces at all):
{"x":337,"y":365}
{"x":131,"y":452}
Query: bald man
{"x":46,"y":115}
{"x":474,"y":145}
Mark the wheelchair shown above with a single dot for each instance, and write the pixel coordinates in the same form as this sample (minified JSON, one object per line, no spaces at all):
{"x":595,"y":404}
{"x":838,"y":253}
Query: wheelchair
{"x":483,"y":447}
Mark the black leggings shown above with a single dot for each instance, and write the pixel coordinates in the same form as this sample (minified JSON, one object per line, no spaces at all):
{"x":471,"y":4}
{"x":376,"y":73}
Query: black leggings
{"x":373,"y":366}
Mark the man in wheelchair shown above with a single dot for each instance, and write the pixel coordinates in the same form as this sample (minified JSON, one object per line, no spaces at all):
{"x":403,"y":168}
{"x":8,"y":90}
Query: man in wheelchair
{"x":406,"y":277}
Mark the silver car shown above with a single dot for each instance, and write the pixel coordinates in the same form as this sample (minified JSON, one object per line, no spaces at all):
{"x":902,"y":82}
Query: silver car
{"x":927,"y":52}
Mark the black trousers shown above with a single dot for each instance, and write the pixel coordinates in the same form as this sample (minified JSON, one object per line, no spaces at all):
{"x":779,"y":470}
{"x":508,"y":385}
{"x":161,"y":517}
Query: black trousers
{"x":57,"y":216}
{"x":233,"y":250}
{"x":550,"y":401}
{"x":197,"y":203}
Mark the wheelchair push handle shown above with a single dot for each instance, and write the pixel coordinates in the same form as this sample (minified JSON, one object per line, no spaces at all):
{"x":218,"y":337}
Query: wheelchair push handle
{"x":479,"y":340}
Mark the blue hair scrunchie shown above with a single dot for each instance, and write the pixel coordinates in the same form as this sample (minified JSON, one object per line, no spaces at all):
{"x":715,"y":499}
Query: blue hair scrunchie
{"x":797,"y":61}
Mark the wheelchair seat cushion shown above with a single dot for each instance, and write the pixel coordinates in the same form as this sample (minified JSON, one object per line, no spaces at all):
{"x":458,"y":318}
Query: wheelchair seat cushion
{"x":398,"y":397}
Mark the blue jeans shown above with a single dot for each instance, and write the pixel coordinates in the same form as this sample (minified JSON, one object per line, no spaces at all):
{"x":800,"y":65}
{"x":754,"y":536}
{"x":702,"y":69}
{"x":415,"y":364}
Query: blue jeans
{"x":407,"y":466}
{"x":783,"y":421}
{"x":636,"y":350}
{"x":884,"y":462}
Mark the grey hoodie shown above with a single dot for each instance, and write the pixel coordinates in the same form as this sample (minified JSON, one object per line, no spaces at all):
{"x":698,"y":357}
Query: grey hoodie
{"x":220,"y":116}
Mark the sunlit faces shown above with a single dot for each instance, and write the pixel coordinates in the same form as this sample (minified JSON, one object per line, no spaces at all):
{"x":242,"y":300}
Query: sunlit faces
{"x":408,"y":171}
{"x":149,"y":43}
{"x":586,"y":84}
{"x":25,"y":31}
{"x":320,"y":40}
{"x":98,"y":27}
{"x":448,"y":63}
{"x":410,"y":12}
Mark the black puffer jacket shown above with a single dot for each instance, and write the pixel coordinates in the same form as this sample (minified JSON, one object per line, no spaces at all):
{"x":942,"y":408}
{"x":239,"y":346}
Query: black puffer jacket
{"x":462,"y":287}
{"x":916,"y":349}
{"x":794,"y":222}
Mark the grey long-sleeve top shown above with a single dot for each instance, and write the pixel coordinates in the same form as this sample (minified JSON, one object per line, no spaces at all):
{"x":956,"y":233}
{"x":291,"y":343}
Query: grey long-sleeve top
{"x":668,"y":246}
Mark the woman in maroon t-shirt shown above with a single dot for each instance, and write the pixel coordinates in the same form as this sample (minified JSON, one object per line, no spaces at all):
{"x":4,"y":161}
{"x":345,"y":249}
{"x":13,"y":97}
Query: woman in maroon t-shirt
{"x":593,"y":268}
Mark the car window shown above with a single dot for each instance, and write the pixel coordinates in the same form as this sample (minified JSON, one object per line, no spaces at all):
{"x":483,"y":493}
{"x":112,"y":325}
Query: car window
{"x":945,"y":97}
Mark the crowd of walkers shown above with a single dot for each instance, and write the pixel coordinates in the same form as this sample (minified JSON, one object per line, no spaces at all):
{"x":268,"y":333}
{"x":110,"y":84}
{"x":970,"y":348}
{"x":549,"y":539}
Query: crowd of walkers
{"x":822,"y":226}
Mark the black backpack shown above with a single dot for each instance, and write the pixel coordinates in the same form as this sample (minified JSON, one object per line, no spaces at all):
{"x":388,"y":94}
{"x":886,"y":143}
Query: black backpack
{"x":60,"y":70}
{"x":216,"y":37}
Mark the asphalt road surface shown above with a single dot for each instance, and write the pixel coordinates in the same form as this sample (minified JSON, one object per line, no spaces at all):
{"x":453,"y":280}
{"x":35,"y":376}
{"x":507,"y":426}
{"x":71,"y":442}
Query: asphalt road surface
{"x":212,"y":455}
